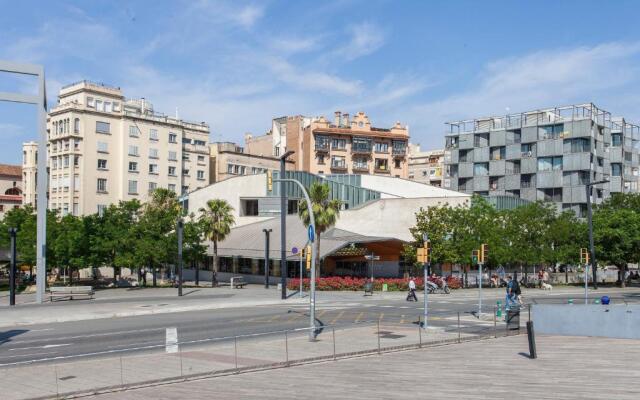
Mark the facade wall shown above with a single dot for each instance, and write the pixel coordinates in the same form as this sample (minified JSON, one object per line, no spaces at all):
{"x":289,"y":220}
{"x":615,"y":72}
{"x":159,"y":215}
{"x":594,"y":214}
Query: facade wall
{"x":426,"y":166}
{"x":29,"y":172}
{"x":550,"y":155}
{"x":231,"y":160}
{"x":104,"y":148}
{"x":10,"y":188}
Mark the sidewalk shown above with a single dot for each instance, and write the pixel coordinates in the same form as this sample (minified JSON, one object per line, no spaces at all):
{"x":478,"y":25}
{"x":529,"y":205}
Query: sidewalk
{"x":494,"y":369}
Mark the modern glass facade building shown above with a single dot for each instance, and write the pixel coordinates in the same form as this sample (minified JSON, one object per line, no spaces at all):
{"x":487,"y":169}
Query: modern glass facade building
{"x":547,"y":154}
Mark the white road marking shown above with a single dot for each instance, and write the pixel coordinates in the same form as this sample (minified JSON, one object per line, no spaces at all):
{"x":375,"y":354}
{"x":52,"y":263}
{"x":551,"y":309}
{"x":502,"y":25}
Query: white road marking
{"x":47,"y":346}
{"x":31,"y":354}
{"x":171,"y":345}
{"x":85,"y":336}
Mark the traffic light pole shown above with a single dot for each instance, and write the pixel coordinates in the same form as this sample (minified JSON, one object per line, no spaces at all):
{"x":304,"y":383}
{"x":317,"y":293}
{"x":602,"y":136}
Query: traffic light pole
{"x":479,"y":289}
{"x":426,"y":295}
{"x":586,"y":283}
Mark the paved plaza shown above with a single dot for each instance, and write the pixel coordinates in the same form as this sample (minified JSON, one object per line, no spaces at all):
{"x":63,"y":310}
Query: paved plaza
{"x":566,"y":368}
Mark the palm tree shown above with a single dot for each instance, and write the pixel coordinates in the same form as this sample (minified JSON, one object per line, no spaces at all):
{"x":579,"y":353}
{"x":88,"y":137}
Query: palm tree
{"x":325,"y":212}
{"x":217,"y":219}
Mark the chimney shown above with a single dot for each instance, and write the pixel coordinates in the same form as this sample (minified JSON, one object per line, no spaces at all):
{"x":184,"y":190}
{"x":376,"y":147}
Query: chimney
{"x":337,"y":119}
{"x":345,"y":118}
{"x":142,"y":105}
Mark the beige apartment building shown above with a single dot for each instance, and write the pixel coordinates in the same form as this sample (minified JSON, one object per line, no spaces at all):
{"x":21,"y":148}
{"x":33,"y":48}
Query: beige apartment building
{"x":104,"y":148}
{"x":29,"y":173}
{"x":10,"y":187}
{"x":346,"y":146}
{"x":228,"y":159}
{"x":426,"y":166}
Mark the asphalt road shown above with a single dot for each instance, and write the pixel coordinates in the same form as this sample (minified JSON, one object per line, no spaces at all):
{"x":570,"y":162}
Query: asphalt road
{"x":104,"y":337}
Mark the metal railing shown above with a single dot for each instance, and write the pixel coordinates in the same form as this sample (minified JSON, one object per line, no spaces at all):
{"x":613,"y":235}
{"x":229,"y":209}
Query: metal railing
{"x":151,"y":362}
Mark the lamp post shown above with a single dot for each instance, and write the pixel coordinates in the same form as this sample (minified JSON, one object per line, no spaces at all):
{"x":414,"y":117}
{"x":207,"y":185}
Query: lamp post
{"x":266,"y":257}
{"x":283,"y":224}
{"x":179,"y":232}
{"x":12,"y":270}
{"x":592,"y":251}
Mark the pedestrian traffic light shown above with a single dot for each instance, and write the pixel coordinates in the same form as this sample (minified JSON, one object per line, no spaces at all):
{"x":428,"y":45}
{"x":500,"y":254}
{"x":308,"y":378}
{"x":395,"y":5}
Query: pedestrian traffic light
{"x":308,"y":257}
{"x":474,"y":256}
{"x":585,"y":257}
{"x":269,"y":180}
{"x":483,"y":256}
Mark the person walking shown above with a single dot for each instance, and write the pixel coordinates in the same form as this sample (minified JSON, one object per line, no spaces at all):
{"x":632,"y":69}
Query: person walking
{"x":510,"y":298}
{"x":412,"y":290}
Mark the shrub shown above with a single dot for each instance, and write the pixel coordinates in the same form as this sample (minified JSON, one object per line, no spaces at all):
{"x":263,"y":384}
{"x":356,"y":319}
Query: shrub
{"x":355,"y":284}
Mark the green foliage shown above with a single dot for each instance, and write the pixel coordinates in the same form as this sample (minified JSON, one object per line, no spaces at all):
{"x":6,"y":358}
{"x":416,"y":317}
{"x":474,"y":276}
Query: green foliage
{"x":216,"y":220}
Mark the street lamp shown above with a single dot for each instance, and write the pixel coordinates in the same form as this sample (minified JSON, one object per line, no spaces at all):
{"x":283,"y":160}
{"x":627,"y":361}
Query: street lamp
{"x":179,"y":234}
{"x":592,"y":251}
{"x":283,"y":225}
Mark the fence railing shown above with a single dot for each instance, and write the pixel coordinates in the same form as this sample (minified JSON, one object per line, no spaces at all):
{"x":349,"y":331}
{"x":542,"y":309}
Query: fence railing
{"x":151,"y":363}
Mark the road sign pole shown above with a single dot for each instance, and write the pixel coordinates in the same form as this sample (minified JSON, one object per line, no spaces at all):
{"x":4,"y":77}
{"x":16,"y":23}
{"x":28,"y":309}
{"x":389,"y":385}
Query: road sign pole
{"x":426,"y":295}
{"x":586,"y":284}
{"x":301,"y":294}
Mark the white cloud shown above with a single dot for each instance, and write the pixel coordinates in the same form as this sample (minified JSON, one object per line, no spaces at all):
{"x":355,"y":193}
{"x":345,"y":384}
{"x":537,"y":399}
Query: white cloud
{"x":312,"y":80}
{"x":248,"y":15}
{"x":365,"y":38}
{"x":291,"y":45}
{"x":545,"y":78}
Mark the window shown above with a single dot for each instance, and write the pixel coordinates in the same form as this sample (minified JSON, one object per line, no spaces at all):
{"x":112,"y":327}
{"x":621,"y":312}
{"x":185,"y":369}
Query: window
{"x":185,"y":172}
{"x":103,"y":127}
{"x":481,"y":169}
{"x":527,"y":149}
{"x":102,"y":147}
{"x":276,"y":151}
{"x":152,"y":186}
{"x":153,"y":134}
{"x":616,"y":169}
{"x":201,"y":175}
{"x":398,"y":163}
{"x":107,"y":106}
{"x":554,"y":194}
{"x":133,"y":166}
{"x":186,"y":140}
{"x":381,"y":164}
{"x":134,"y":131}
{"x":173,"y":156}
{"x":338,"y":162}
{"x":54,"y":163}
{"x":600,"y":162}
{"x":498,"y":153}
{"x":464,"y":155}
{"x":230,"y":168}
{"x":173,"y":138}
{"x":628,"y":156}
{"x":551,"y":131}
{"x":549,"y":163}
{"x":76,"y":125}
{"x":102,"y":185}
{"x":577,"y":145}
{"x":616,"y":139}
{"x":382,"y":147}
{"x":172,"y":187}
{"x":185,"y":157}
{"x":249,"y":207}
{"x":526,"y":181}
{"x":320,"y":158}
{"x":76,"y":144}
{"x":200,"y":159}
{"x":102,"y":164}
{"x":153,"y":153}
{"x":90,"y":102}
{"x":101,"y":209}
{"x":133,"y":187}
{"x":66,"y":161}
{"x":76,"y":161}
{"x":185,"y":189}
{"x":172,"y":171}
{"x":99,"y":105}
{"x":153,"y":169}
{"x":338,"y":144}
{"x":199,"y":142}
{"x":360,"y":163}
{"x":76,"y":182}
{"x":133,"y":150}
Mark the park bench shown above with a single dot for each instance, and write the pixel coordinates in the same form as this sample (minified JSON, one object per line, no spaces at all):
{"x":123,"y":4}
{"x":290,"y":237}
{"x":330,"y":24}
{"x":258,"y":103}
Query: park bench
{"x":69,"y":292}
{"x":237,"y":282}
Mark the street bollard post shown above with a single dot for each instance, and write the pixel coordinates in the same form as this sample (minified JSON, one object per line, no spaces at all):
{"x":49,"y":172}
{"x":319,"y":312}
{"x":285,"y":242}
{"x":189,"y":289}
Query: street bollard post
{"x":499,"y":309}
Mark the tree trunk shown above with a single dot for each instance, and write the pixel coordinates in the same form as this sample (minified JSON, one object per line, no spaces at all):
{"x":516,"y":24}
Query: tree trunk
{"x":214,"y":278}
{"x":622,"y":270}
{"x":153,"y":274}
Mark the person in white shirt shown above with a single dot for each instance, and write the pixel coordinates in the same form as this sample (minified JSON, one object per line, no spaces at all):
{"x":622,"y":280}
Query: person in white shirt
{"x":412,"y":290}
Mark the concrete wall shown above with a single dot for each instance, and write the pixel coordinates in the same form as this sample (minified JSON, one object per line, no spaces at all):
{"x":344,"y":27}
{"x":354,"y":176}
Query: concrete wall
{"x":405,"y":188}
{"x":615,"y":321}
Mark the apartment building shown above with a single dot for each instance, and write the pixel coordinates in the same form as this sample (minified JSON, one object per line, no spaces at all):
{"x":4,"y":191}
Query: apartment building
{"x":547,"y":154}
{"x":103,"y":148}
{"x":10,"y":187}
{"x":29,"y":173}
{"x":346,"y":146}
{"x":228,"y":159}
{"x":426,"y":166}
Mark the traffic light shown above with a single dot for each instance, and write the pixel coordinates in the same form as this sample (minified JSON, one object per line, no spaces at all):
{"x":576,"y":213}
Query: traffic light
{"x":427,"y":251}
{"x":483,"y":256}
{"x":269,"y":180}
{"x":307,"y":253}
{"x":474,"y":256}
{"x":585,"y":257}
{"x":421,"y":255}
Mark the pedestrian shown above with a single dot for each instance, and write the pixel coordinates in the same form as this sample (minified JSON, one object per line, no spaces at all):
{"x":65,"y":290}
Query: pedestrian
{"x":510,"y":297}
{"x":412,"y":290}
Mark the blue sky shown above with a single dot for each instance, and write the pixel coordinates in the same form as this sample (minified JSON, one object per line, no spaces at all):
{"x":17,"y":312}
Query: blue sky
{"x":237,"y":64}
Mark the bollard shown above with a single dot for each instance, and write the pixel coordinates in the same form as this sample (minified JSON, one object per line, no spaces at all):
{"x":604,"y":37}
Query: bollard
{"x":499,"y":309}
{"x":532,"y":340}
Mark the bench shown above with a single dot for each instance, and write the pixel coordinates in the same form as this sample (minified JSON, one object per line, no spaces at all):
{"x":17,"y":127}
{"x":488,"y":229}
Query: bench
{"x":237,"y":282}
{"x":64,"y":292}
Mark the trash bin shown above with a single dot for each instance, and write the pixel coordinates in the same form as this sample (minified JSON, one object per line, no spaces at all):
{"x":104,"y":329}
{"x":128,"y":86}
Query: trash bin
{"x":368,"y":288}
{"x":605,"y":300}
{"x":513,"y":318}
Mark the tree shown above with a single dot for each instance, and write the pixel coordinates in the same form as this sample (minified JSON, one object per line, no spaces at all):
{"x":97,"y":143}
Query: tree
{"x":71,"y":243}
{"x":194,"y":251}
{"x":217,"y":220}
{"x":325,"y":212}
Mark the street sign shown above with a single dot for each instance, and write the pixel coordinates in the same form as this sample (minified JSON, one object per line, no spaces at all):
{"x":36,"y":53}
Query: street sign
{"x":294,"y":250}
{"x":371,"y":257}
{"x":311,"y":233}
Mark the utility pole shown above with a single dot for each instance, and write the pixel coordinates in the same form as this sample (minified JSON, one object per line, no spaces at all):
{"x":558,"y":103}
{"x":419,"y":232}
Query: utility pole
{"x":592,"y":251}
{"x":266,"y":257}
{"x":179,"y":232}
{"x":12,"y":270}
{"x":584,"y":260}
{"x":283,"y":224}
{"x":482,"y":256}
{"x":424,"y":257}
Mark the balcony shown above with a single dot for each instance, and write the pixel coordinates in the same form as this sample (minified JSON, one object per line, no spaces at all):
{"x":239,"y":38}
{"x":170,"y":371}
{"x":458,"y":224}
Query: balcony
{"x":360,"y":167}
{"x":362,"y":148}
{"x":194,"y":148}
{"x":339,"y":165}
{"x":322,"y":146}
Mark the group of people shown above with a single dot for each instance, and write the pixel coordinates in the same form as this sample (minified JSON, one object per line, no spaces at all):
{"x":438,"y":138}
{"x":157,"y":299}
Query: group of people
{"x":411,"y":296}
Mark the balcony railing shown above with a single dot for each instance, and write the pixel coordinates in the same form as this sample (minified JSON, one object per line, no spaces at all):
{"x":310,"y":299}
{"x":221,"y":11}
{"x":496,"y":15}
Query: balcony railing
{"x":338,"y":164}
{"x":360,"y":167}
{"x":322,"y":146}
{"x":361,"y":148}
{"x":399,"y":151}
